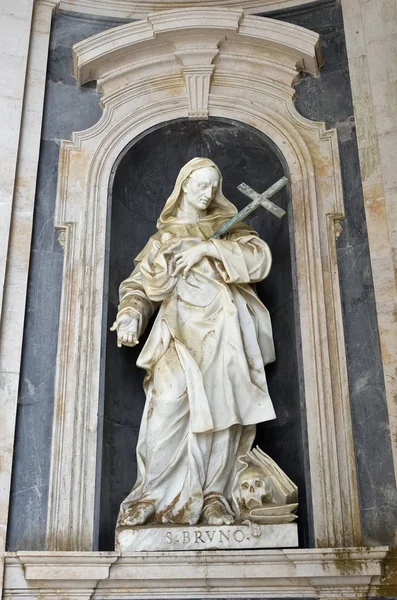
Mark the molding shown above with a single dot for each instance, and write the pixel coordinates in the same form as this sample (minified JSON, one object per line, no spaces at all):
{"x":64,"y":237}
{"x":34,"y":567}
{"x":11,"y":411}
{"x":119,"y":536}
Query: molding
{"x":197,"y":54}
{"x":127,"y":9}
{"x":254,"y":62}
{"x":110,"y":51}
{"x":352,"y":573}
{"x":197,"y":81}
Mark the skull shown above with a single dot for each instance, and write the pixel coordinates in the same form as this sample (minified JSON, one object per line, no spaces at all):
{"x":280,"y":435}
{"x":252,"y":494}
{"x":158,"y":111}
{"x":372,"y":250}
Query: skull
{"x":255,"y":487}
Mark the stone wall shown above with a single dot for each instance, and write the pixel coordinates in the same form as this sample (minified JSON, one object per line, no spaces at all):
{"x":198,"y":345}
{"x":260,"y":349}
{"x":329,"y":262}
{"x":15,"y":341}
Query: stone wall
{"x":68,"y":109}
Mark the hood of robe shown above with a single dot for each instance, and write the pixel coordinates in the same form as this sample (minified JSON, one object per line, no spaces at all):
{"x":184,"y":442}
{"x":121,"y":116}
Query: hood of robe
{"x":219,"y":211}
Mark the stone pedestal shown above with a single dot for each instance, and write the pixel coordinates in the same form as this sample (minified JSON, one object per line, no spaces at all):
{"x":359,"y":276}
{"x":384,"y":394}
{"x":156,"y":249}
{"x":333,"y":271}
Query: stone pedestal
{"x":205,"y":537}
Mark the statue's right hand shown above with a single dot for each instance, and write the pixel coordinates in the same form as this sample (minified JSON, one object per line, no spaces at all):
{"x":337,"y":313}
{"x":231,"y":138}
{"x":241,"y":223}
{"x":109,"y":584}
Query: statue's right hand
{"x":127,"y":330}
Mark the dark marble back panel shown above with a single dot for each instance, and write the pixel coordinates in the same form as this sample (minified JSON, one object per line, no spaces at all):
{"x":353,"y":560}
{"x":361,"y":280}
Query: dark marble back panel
{"x":143,"y":181}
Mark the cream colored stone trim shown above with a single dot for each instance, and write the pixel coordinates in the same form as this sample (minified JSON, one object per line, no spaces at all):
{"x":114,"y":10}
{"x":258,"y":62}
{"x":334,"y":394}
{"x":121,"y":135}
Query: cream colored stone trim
{"x":255,"y":62}
{"x":131,"y":9}
{"x":15,"y":21}
{"x":371,"y":33}
{"x":353,"y":573}
{"x":33,"y":33}
{"x":105,"y":57}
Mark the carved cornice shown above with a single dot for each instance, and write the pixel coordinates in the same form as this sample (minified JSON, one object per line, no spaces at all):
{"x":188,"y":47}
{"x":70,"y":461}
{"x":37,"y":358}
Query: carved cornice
{"x":194,"y":43}
{"x":123,"y":50}
{"x":130,"y":9}
{"x":353,"y":573}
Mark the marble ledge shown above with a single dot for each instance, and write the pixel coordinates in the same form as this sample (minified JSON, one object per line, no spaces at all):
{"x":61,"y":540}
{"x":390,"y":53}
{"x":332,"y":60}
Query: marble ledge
{"x":331,"y":573}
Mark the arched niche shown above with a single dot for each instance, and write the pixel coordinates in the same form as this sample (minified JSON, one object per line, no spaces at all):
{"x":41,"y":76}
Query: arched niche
{"x":199,"y":63}
{"x":142,"y":179}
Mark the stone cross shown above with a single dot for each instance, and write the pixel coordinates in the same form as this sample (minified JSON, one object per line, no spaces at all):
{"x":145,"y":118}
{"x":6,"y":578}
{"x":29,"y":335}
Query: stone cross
{"x":257,"y":200}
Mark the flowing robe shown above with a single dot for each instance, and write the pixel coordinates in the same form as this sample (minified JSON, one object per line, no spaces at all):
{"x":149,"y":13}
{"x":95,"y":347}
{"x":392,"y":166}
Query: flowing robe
{"x":205,"y":381}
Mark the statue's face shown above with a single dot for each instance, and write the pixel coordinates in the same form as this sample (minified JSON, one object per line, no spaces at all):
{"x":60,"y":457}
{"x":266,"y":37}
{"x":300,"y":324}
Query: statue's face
{"x":200,"y":187}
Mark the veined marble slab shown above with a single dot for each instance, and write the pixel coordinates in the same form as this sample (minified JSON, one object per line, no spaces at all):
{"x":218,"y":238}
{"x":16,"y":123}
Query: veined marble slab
{"x":205,"y":537}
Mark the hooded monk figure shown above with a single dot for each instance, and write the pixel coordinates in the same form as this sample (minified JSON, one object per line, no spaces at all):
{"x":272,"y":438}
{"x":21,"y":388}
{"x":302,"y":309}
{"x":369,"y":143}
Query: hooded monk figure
{"x":205,"y":380}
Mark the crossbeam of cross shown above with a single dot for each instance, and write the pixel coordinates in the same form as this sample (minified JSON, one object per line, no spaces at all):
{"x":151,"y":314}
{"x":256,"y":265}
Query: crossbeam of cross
{"x":257,"y":200}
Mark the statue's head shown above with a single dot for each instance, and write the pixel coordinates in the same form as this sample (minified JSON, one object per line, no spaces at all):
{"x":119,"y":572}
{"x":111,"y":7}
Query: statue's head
{"x":201,"y":186}
{"x":199,"y":183}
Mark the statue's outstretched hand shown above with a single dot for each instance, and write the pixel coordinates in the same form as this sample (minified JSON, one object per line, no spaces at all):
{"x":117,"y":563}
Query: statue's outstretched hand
{"x":126,"y":326}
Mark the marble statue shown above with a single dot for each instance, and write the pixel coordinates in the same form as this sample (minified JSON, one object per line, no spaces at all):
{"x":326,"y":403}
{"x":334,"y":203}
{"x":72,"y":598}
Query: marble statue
{"x":205,"y":379}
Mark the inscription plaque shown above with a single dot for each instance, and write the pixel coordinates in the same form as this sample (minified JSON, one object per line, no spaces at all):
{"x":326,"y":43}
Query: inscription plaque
{"x":205,"y":537}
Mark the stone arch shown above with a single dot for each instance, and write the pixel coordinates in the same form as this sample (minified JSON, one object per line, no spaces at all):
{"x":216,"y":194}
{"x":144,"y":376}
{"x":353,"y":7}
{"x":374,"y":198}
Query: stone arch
{"x":229,"y":66}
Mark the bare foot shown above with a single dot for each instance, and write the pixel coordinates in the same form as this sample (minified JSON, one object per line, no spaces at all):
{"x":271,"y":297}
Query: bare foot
{"x":216,"y":514}
{"x":138,"y":514}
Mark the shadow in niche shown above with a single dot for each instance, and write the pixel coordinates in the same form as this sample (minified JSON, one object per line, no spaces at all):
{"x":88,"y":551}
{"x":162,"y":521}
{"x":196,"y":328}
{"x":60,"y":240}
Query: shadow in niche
{"x":143,"y":179}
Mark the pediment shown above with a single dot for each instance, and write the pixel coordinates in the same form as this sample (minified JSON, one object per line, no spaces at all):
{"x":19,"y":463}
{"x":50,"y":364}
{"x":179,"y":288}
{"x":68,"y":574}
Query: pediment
{"x":194,"y":45}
